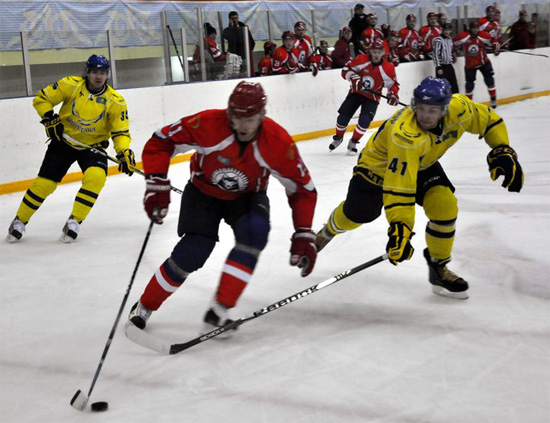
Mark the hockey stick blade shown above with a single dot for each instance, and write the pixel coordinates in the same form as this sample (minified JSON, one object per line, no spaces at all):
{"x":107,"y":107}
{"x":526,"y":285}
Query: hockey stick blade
{"x":145,"y":339}
{"x":79,"y":400}
{"x":156,"y":344}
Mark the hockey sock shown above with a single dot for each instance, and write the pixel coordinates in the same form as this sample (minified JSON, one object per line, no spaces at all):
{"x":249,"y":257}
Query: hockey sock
{"x":492,"y":92}
{"x":342,"y":124}
{"x":440,"y":206}
{"x":339,"y":223}
{"x":34,"y":197}
{"x":251,"y":232}
{"x":92,"y":184}
{"x":189,"y":254}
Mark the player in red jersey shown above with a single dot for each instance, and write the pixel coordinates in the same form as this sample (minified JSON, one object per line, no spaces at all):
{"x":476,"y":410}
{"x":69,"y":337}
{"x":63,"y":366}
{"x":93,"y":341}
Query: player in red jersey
{"x":428,"y":33}
{"x":213,"y":57}
{"x":236,"y":150}
{"x":473,"y":43}
{"x":490,"y":24}
{"x":395,"y":47}
{"x":321,"y":60}
{"x":371,"y":32}
{"x":285,"y":58}
{"x":410,"y":41}
{"x":367,"y":74}
{"x":303,"y":44}
{"x":264,"y":65}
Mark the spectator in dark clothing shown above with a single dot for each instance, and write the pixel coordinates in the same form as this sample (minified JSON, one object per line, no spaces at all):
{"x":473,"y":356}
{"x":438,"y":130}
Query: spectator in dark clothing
{"x":341,"y":54}
{"x":523,"y":34}
{"x":234,"y":35}
{"x":358,"y":24}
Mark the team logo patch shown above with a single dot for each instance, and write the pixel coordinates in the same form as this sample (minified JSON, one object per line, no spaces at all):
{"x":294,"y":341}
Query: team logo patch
{"x":368,"y":82}
{"x":230,"y":179}
{"x":473,"y":50}
{"x":224,"y":160}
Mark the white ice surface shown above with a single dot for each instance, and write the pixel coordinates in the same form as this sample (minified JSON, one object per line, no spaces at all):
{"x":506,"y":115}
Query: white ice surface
{"x":375,"y":347}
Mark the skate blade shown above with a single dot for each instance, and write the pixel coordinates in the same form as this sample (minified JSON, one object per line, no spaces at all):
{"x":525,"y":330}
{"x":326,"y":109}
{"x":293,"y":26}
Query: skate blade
{"x":11,"y":239}
{"x":439,"y":290}
{"x":67,"y":239}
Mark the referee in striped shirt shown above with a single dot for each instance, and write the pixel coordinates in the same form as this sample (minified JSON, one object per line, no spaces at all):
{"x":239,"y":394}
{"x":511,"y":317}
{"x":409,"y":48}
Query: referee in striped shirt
{"x":443,"y":57}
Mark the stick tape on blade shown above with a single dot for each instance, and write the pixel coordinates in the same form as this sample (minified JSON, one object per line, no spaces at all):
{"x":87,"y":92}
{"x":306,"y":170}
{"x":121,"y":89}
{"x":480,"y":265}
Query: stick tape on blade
{"x":79,"y":400}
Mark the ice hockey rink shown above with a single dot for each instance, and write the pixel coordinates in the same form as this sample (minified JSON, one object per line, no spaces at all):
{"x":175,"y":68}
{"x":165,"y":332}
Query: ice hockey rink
{"x":375,"y":347}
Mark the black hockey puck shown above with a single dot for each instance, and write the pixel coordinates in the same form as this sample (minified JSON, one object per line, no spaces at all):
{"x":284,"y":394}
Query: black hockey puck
{"x":100,"y":406}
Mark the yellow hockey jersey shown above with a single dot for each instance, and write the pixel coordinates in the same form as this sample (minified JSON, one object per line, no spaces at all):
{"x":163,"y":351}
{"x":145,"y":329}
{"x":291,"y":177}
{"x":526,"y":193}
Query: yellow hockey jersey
{"x":87,"y":117}
{"x":400,"y":148}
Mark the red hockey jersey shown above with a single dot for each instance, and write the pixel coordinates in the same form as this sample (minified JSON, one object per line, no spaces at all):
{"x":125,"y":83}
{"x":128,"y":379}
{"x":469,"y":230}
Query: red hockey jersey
{"x":492,"y":27}
{"x":410,"y":41}
{"x":322,"y":62}
{"x":285,"y":61}
{"x":427,"y":35}
{"x":305,"y":49}
{"x":474,"y":47}
{"x":264,"y":66}
{"x":226,"y":169}
{"x":373,"y":77}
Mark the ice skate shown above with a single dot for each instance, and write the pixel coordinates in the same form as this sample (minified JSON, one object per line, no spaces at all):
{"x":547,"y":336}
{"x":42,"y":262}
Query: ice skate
{"x":335,"y":143}
{"x":444,"y":282}
{"x":493,"y":103}
{"x":322,"y":238}
{"x":352,"y":147}
{"x":139,"y":315}
{"x":216,"y":317}
{"x":15,"y":231}
{"x":70,"y":231}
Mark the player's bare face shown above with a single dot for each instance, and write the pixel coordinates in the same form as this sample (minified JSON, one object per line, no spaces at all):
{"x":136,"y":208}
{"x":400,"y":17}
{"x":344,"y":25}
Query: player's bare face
{"x":288,"y":43}
{"x":432,"y":21}
{"x":246,"y":128}
{"x":300,"y":33}
{"x":376,"y":55}
{"x":411,"y":24}
{"x":97,"y":79}
{"x":428,"y":116}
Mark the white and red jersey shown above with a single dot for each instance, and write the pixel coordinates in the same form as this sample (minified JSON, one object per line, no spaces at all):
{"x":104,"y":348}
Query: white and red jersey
{"x":369,"y":35}
{"x":322,"y":62}
{"x":492,"y":27}
{"x":411,"y":44}
{"x":474,"y":47}
{"x":264,"y":66}
{"x":212,"y":47}
{"x":373,"y":77}
{"x":285,"y":61}
{"x":226,"y":169}
{"x":305,"y":49}
{"x":427,"y":34}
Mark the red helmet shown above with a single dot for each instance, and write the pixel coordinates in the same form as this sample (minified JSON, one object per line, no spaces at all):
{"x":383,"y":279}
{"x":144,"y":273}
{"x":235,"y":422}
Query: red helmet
{"x":247,"y":99}
{"x":286,"y":35}
{"x":269,"y":47}
{"x":377,"y":44}
{"x":300,"y":25}
{"x":490,"y":9}
{"x":346,"y":29}
{"x":522,"y":12}
{"x":411,"y":17}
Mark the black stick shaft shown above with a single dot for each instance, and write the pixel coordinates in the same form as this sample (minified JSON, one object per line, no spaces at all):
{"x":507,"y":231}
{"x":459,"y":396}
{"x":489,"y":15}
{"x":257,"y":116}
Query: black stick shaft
{"x":121,"y":309}
{"x":175,"y":46}
{"x":177,"y":348}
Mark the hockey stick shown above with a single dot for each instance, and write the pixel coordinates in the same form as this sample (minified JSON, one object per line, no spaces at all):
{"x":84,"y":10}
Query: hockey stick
{"x":104,"y":153}
{"x":79,"y":400}
{"x":383,"y":96}
{"x":156,"y":344}
{"x":176,"y":47}
{"x":529,"y":54}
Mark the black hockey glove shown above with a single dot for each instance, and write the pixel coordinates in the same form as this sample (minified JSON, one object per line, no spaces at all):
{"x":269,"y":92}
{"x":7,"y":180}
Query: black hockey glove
{"x":127,"y":162}
{"x":399,"y":246}
{"x":503,"y":160}
{"x":53,"y":125}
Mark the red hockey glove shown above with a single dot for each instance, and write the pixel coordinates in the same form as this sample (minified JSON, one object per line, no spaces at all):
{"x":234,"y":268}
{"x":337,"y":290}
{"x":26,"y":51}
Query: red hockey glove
{"x":53,"y":125}
{"x":127,"y":162}
{"x":302,"y":251}
{"x":393,"y":99}
{"x":314,"y":69}
{"x":503,"y":160}
{"x":157,"y":197}
{"x":399,"y":246}
{"x":291,"y":66}
{"x":356,"y":83}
